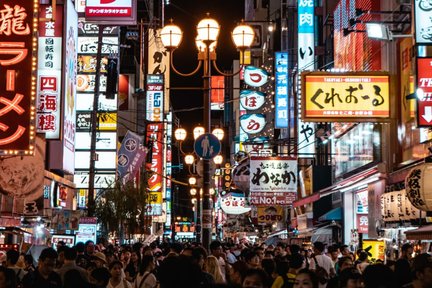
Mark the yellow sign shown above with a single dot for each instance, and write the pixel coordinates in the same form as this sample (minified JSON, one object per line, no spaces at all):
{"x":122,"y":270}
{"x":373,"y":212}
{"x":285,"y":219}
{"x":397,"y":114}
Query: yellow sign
{"x":270,"y":214}
{"x":245,"y":57}
{"x":354,"y":96}
{"x":154,"y":198}
{"x":107,"y":121}
{"x":375,"y":248}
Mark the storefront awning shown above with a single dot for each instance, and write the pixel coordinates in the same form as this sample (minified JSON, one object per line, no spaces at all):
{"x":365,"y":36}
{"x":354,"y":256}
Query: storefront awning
{"x":422,"y":233}
{"x":334,"y":214}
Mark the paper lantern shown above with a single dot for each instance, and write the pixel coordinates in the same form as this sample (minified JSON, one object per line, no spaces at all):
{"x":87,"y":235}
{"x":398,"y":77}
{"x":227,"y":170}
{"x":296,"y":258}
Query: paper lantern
{"x":418,"y":185}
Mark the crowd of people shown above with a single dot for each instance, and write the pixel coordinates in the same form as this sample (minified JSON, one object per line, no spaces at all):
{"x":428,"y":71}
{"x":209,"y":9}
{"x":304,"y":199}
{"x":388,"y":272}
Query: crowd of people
{"x":88,"y":265}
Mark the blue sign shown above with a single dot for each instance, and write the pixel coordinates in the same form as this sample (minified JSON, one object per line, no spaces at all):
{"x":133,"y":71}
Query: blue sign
{"x":207,"y":146}
{"x":281,"y":81}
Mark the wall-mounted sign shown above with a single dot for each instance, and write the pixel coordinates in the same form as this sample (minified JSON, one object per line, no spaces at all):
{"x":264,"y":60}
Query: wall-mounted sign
{"x":234,"y":203}
{"x":155,"y":97}
{"x":120,"y":12}
{"x":88,"y":29}
{"x":252,"y":123}
{"x":101,"y":180}
{"x":423,"y":22}
{"x":18,"y":38}
{"x":354,"y":96}
{"x":255,"y":77}
{"x":281,"y":91}
{"x":88,"y":45}
{"x":252,"y":100}
{"x":106,"y":121}
{"x":270,"y":214}
{"x":305,"y":24}
{"x":86,"y":83}
{"x":49,"y":72}
{"x":424,"y":82}
{"x":217,"y":92}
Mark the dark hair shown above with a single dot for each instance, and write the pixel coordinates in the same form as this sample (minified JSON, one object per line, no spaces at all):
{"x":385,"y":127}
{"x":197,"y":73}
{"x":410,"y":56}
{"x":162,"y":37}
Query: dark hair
{"x":73,"y":278}
{"x":313,"y":277}
{"x":12,"y":256}
{"x":250,"y":254}
{"x":101,"y":275}
{"x":28,"y":258}
{"x":48,"y":253}
{"x":319,"y":246}
{"x":269,"y":265}
{"x":296,"y":261}
{"x":332,"y":248}
{"x":378,"y":275}
{"x":177,"y":247}
{"x":342,"y":260}
{"x":348,"y":274}
{"x":406,"y":246}
{"x":294,"y":248}
{"x":10,"y":277}
{"x":215,"y":245}
{"x":363,"y":256}
{"x":70,"y":253}
{"x":256,"y":272}
{"x":145,"y":262}
{"x":115,"y":262}
{"x":80,"y":247}
{"x":89,"y":242}
{"x":198,"y":253}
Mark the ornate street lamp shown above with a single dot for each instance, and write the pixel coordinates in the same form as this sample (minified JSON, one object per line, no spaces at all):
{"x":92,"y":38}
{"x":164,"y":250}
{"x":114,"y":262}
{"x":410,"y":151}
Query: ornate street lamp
{"x":207,"y":34}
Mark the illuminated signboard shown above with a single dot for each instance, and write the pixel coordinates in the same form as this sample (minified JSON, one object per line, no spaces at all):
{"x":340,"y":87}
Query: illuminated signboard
{"x":104,"y":141}
{"x":101,"y":180}
{"x":306,"y":46}
{"x":18,"y":46}
{"x":355,"y":96}
{"x":217,"y":92}
{"x":155,"y":97}
{"x":106,"y":160}
{"x":281,"y":96}
{"x":49,"y":72}
{"x":107,"y":121}
{"x":120,"y":12}
{"x":155,"y":136}
{"x":424,"y":82}
{"x":423,"y":22}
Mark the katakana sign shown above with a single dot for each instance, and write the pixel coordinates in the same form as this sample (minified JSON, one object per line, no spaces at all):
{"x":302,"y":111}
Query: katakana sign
{"x":120,"y":12}
{"x":18,"y":58}
{"x":354,"y":96}
{"x":424,"y":82}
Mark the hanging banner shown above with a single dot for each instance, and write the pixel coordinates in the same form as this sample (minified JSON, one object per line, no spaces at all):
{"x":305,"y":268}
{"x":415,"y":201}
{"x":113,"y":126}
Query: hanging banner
{"x":130,"y":157}
{"x":354,"y":96}
{"x":18,"y":40}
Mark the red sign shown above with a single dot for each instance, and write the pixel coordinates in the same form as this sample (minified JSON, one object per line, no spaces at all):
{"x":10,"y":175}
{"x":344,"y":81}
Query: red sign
{"x":18,"y":40}
{"x":155,"y":136}
{"x":111,"y":8}
{"x":272,"y":198}
{"x":424,"y":82}
{"x":217,"y":92}
{"x":362,"y":223}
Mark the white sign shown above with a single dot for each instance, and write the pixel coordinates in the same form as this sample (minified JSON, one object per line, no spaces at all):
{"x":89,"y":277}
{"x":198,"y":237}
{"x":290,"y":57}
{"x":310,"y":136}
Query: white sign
{"x":101,"y":180}
{"x":106,"y":160}
{"x":88,"y":45}
{"x":306,"y":139}
{"x":273,"y":174}
{"x":255,"y":77}
{"x":234,"y":203}
{"x":252,"y":123}
{"x":252,"y":100}
{"x":423,"y":22}
{"x":86,"y":232}
{"x":85,"y":102}
{"x":104,"y":141}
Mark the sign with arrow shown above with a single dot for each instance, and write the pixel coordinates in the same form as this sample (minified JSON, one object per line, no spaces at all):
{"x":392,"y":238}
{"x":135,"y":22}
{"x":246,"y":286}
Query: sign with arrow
{"x":424,"y":82}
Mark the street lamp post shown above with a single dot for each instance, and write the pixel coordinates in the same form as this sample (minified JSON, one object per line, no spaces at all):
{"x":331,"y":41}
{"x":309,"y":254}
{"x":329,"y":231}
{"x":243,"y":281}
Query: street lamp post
{"x":208,"y":31}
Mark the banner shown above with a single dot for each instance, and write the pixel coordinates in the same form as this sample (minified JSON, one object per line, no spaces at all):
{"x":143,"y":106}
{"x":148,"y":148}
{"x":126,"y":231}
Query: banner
{"x":130,"y":156}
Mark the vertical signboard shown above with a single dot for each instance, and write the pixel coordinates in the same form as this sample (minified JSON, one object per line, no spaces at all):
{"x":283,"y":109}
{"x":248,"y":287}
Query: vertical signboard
{"x":155,"y":136}
{"x":281,"y":74}
{"x":70,"y":82}
{"x":217,"y":92}
{"x":423,"y":22}
{"x":155,"y":97}
{"x":18,"y":45}
{"x":48,"y":105}
{"x":424,"y":82}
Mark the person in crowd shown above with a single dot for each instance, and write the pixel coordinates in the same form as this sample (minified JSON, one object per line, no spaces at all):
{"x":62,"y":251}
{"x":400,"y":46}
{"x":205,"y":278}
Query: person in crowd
{"x":255,"y":278}
{"x":288,"y":279}
{"x":44,"y":275}
{"x":378,"y":276}
{"x":70,"y":256}
{"x":345,"y":262}
{"x":362,"y":262}
{"x":187,"y":251}
{"x":333,"y":253}
{"x":306,"y":279}
{"x":322,"y":260}
{"x":180,"y":271}
{"x":252,"y":259}
{"x":260,"y":252}
{"x":282,"y":267}
{"x":28,"y":263}
{"x":89,"y":249}
{"x":116,"y":279}
{"x":99,"y":259}
{"x":212,"y":267}
{"x":146,"y":278}
{"x":81,"y":259}
{"x":422,"y":271}
{"x":73,"y":279}
{"x":344,"y":250}
{"x":133,"y":268}
{"x":199,"y":255}
{"x":125,"y":257}
{"x":230,"y":256}
{"x":7,"y":278}
{"x":60,"y":258}
{"x":11,"y":263}
{"x":280,"y":250}
{"x":350,"y":278}
{"x":110,"y":257}
{"x":269,"y":266}
{"x":236,"y":273}
{"x":217,"y":251}
{"x":99,"y":277}
{"x":406,"y":252}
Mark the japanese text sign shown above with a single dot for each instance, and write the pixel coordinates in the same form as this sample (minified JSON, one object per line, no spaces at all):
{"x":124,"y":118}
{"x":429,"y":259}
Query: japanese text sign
{"x":270,"y":214}
{"x":49,"y":72}
{"x":120,"y":12}
{"x":155,"y":136}
{"x":155,"y":97}
{"x":355,"y":96}
{"x":281,"y":76}
{"x":234,"y":203}
{"x":273,"y":175}
{"x":306,"y":46}
{"x":423,"y":22}
{"x":18,"y":46}
{"x":424,"y":82}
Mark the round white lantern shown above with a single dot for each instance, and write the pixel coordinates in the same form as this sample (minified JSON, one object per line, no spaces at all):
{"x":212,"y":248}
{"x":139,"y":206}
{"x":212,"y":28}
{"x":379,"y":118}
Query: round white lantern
{"x":418,"y":186}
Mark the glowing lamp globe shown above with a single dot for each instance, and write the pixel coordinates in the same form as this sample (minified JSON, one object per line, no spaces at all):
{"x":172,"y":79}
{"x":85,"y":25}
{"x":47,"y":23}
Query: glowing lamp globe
{"x":208,"y":30}
{"x":171,"y":36}
{"x":243,"y":36}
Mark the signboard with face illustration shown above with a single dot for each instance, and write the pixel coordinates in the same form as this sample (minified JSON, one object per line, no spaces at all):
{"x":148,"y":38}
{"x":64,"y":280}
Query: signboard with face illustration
{"x":252,"y":100}
{"x":255,"y":77}
{"x":423,"y":22}
{"x":252,"y":123}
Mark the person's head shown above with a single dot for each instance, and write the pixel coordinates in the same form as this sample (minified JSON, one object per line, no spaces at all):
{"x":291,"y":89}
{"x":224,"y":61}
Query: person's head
{"x":47,"y":261}
{"x":216,"y":248}
{"x":199,"y":254}
{"x":318,"y":247}
{"x":252,"y":259}
{"x":306,"y":279}
{"x":125,"y":256}
{"x":28,"y":260}
{"x":236,"y":272}
{"x":100,"y":277}
{"x":99,"y":259}
{"x":12,"y":257}
{"x":147,"y":263}
{"x":211,"y":266}
{"x":89,"y":247}
{"x":135,"y":257}
{"x":363,"y":256}
{"x":407,"y":251}
{"x":115,"y":269}
{"x":378,"y":275}
{"x":294,"y":248}
{"x":255,"y":278}
{"x":422,"y":268}
{"x":344,"y":250}
{"x":333,"y":251}
{"x":260,"y":252}
{"x":345,"y":262}
{"x":70,"y":253}
{"x":80,"y":247}
{"x":187,"y":251}
{"x":350,"y":278}
{"x":296,"y":261}
{"x":269,"y":265}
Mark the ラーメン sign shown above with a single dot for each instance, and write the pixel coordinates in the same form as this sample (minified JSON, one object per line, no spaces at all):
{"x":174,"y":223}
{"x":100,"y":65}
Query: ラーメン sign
{"x":354,"y":96}
{"x":18,"y":43}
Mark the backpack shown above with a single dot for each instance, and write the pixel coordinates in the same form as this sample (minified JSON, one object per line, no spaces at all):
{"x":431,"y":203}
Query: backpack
{"x":321,"y":273}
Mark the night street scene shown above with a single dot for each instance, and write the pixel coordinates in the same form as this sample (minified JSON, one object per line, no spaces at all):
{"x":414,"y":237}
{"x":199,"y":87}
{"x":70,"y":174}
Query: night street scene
{"x":215,"y":143}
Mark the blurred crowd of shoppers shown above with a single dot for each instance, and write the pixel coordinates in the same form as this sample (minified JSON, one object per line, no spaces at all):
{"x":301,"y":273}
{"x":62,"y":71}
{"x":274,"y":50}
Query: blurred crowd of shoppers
{"x":88,"y":265}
